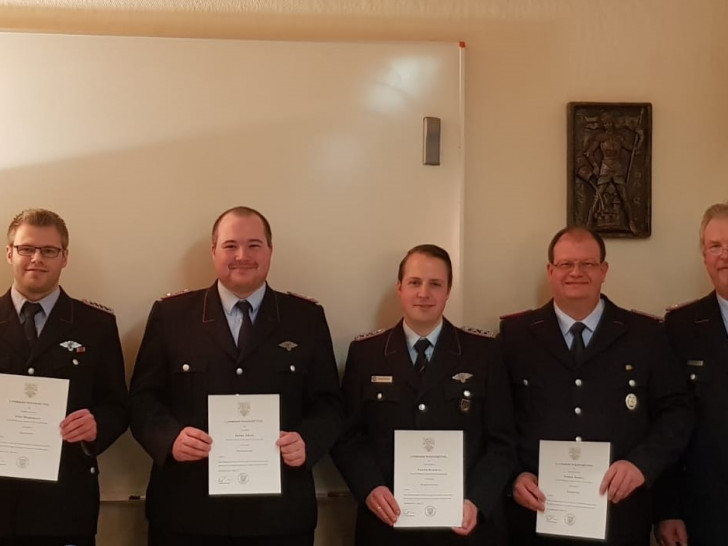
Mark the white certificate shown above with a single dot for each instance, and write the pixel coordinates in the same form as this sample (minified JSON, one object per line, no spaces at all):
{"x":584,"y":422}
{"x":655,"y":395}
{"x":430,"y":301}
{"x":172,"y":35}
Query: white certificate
{"x":428,"y":477}
{"x":244,"y":459}
{"x":569,"y":474}
{"x":31,"y":411}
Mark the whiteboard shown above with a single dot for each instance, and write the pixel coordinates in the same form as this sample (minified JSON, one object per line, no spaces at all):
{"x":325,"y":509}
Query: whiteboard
{"x":139,"y":143}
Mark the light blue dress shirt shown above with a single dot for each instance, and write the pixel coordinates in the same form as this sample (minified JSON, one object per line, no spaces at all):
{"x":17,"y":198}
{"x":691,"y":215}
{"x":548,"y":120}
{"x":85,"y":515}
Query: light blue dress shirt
{"x":591,"y":321}
{"x":413,"y":337}
{"x":233,"y":314}
{"x":46,"y":304}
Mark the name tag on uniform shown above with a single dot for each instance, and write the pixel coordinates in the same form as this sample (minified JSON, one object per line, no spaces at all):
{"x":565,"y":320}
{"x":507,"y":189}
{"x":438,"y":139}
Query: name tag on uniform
{"x":697,"y":363}
{"x":381,"y":379}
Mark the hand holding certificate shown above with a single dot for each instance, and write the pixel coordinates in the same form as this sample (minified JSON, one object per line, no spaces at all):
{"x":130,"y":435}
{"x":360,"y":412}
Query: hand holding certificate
{"x":244,"y":458}
{"x":428,"y":477}
{"x":570,"y":474}
{"x":31,"y":409}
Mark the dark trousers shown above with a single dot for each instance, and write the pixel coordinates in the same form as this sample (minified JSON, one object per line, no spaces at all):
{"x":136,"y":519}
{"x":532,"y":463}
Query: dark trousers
{"x":161,"y":537}
{"x":48,"y":541}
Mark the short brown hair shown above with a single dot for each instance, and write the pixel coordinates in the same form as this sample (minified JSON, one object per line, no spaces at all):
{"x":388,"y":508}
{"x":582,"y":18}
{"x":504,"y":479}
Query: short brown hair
{"x":433,"y":251}
{"x":39,"y":218}
{"x":241,"y":212}
{"x":574,"y":230}
{"x":718,"y":210}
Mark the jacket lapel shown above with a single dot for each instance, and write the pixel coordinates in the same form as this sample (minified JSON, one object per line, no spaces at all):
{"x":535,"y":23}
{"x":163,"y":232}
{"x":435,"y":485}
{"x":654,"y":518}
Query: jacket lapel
{"x":11,"y":332}
{"x":57,"y":326}
{"x":710,"y":329}
{"x":398,"y":358}
{"x":265,"y":324}
{"x":545,"y":327}
{"x":611,"y":327}
{"x":215,"y":323}
{"x":446,"y":354}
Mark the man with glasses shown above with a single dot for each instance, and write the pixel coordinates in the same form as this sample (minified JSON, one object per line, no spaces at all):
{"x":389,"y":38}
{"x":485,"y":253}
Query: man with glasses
{"x":691,"y":501}
{"x":45,"y":333}
{"x":583,"y":369}
{"x":239,"y":336}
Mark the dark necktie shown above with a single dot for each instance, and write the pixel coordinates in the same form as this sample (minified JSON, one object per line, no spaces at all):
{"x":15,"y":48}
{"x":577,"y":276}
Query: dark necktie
{"x":421,"y":361}
{"x":29,"y":310}
{"x":246,"y":325}
{"x":577,"y":346}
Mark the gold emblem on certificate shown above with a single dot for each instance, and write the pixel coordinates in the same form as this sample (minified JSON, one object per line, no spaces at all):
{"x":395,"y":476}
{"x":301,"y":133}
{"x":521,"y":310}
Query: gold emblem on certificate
{"x":631,"y":401}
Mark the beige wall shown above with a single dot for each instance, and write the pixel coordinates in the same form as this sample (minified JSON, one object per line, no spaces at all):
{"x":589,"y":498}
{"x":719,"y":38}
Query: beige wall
{"x":525,"y":61}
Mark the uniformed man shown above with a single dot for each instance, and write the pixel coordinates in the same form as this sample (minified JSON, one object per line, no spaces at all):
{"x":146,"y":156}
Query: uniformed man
{"x":237,"y":336}
{"x":45,"y":333}
{"x":691,"y":501}
{"x":581,"y":368}
{"x":426,"y":374}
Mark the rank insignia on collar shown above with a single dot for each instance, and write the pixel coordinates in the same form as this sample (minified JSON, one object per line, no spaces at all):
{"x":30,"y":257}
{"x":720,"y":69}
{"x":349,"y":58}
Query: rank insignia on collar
{"x":462,"y":376}
{"x":288,"y":345}
{"x":73,"y":346}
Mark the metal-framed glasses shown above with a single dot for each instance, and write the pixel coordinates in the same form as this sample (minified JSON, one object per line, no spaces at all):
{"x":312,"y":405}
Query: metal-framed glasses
{"x":716,"y":250}
{"x":583,"y":266}
{"x":45,"y":251}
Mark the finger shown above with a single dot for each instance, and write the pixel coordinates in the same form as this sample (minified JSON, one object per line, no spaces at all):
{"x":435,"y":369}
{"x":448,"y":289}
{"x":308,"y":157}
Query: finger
{"x":533,"y":489}
{"x":78,"y":414}
{"x":616,"y":485}
{"x":289,"y":438}
{"x":606,"y":480}
{"x":195,"y":434}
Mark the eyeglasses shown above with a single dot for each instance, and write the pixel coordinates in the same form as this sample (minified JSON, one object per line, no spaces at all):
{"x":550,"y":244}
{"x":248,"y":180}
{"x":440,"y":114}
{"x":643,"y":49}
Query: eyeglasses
{"x":716,"y":250}
{"x":570,"y":266}
{"x":45,"y":251}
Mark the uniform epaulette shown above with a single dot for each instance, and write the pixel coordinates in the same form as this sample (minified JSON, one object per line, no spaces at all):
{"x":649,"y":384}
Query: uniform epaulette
{"x":98,"y":306}
{"x":173,"y":294}
{"x":301,"y":296}
{"x":478,"y":332}
{"x":658,"y":318}
{"x":514,"y":315}
{"x":679,"y":306}
{"x":362,"y":337}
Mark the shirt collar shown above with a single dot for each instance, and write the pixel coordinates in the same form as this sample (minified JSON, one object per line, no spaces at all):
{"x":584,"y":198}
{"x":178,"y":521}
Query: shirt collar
{"x":591,"y":321}
{"x":228,"y":299}
{"x":412,"y":336}
{"x":723,"y":304}
{"x":46,"y":303}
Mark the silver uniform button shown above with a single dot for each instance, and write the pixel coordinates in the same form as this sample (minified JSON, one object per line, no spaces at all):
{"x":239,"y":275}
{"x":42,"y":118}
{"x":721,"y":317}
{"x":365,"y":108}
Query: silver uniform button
{"x":185,"y":367}
{"x":92,"y":470}
{"x":31,"y":371}
{"x":422,"y":407}
{"x":75,"y":361}
{"x":577,"y":410}
{"x":632,"y":382}
{"x":693,"y":377}
{"x":379,"y":396}
{"x":239,"y":371}
{"x":292,"y":367}
{"x":577,"y":382}
{"x":578,"y":439}
{"x":525,"y":382}
{"x":466,"y":394}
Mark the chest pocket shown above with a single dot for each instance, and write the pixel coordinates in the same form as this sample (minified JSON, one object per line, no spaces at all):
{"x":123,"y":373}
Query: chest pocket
{"x":699,"y":375}
{"x":465,"y":398}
